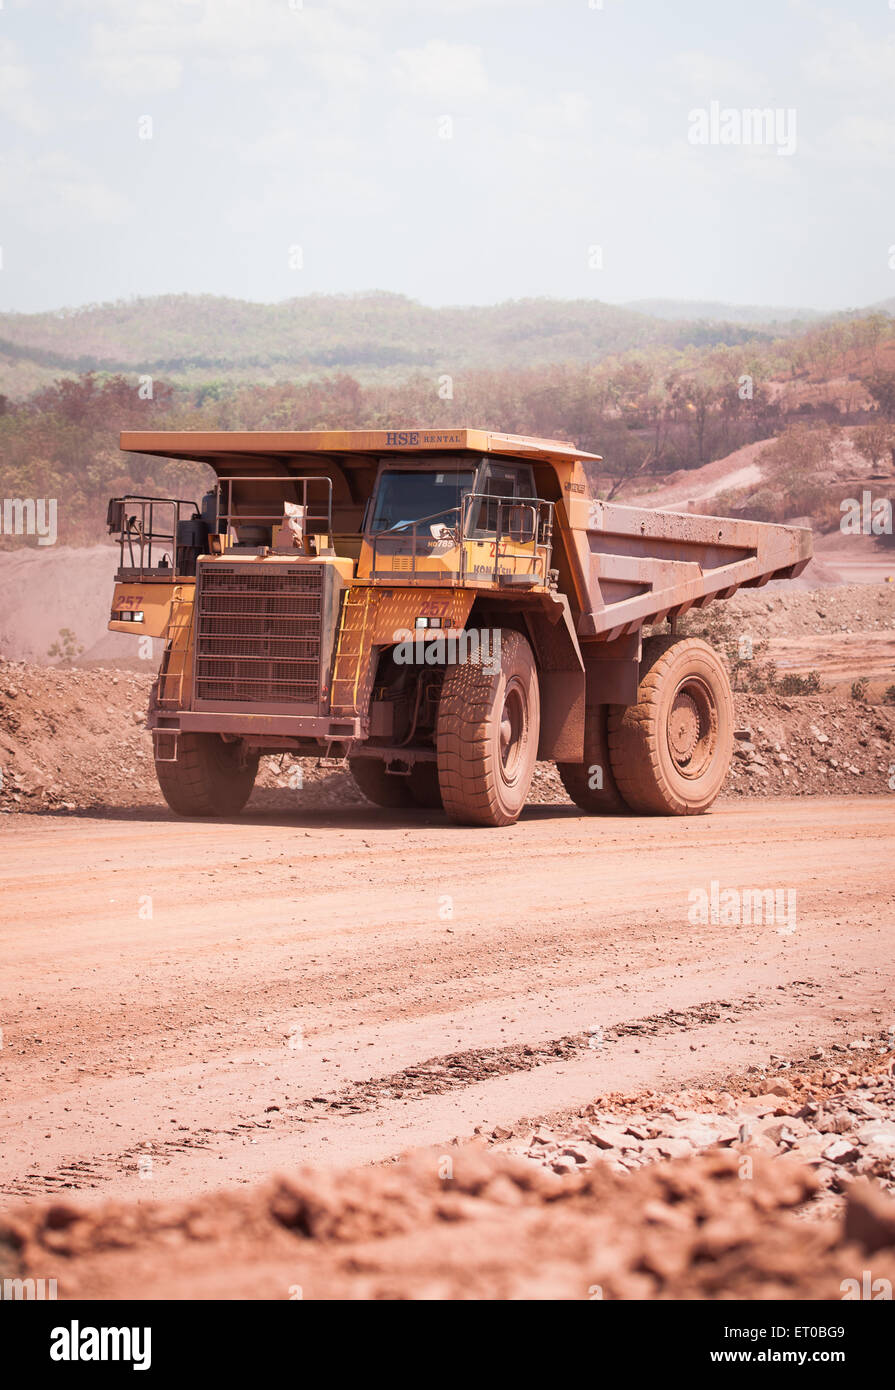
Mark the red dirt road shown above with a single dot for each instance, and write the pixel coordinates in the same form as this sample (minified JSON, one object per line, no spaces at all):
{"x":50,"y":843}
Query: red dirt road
{"x":336,"y":987}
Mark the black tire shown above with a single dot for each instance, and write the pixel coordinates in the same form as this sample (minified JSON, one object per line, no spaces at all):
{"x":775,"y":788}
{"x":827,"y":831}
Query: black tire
{"x":425,"y":789}
{"x":671,"y":751}
{"x":602,"y":800}
{"x":487,"y":735}
{"x":382,"y":788}
{"x":209,"y":778}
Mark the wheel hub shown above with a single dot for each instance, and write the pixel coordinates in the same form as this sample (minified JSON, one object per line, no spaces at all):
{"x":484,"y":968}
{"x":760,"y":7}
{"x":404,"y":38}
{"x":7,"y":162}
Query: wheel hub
{"x":683,"y":726}
{"x":511,"y":730}
{"x":692,"y":728}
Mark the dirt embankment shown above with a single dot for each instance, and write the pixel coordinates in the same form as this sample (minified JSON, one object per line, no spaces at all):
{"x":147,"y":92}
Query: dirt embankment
{"x":811,"y":745}
{"x":780,"y":613}
{"x":73,"y":737}
{"x":466,"y":1224}
{"x":691,"y":489}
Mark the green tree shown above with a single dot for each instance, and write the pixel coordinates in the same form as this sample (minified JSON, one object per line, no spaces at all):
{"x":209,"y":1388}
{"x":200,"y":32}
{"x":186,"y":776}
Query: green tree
{"x":875,"y":442}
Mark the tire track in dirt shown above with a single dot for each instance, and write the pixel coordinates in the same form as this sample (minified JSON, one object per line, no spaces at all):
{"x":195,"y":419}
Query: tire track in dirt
{"x":80,"y":1174}
{"x":434,"y":1076}
{"x":173,"y":1038}
{"x":456,"y":1070}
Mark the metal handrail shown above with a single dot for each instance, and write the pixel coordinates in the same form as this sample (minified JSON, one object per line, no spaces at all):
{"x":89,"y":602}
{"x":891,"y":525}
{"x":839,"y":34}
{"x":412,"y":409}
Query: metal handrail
{"x":231,"y":518}
{"x":542,"y":531}
{"x":144,"y":534}
{"x":541,"y":527}
{"x":411,"y":532}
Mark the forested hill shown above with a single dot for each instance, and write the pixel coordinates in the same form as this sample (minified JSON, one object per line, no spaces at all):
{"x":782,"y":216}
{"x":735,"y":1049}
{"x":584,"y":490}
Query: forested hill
{"x":188,"y":336}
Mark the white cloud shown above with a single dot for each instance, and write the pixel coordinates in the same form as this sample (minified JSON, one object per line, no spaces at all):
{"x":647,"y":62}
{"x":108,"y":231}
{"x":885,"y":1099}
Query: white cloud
{"x":17,"y":99}
{"x":851,"y":79}
{"x":564,"y":113}
{"x":386,"y":8}
{"x":713,"y":76}
{"x":850,"y":61}
{"x":340,"y":70}
{"x":131,"y":70}
{"x":862,"y":138}
{"x":146,"y":46}
{"x":55,"y":189}
{"x":450,"y":73}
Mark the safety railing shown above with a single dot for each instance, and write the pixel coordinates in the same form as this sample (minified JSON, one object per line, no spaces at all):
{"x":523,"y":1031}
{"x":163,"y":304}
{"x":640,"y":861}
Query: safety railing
{"x":231,"y":513}
{"x":148,"y":529}
{"x":521,"y":539}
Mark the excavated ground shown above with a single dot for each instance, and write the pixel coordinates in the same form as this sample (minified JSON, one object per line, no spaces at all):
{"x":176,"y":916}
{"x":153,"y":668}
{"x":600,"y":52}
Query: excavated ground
{"x":460,"y":1223}
{"x":72,"y":738}
{"x":320,"y":984}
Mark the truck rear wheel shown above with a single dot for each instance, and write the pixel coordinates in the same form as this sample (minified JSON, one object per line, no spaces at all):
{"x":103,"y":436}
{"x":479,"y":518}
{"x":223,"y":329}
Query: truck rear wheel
{"x":209,"y":778}
{"x":396,"y":791}
{"x":487,"y":735}
{"x":425,"y":790}
{"x":383,"y":788}
{"x":591,"y":784}
{"x":671,"y":751}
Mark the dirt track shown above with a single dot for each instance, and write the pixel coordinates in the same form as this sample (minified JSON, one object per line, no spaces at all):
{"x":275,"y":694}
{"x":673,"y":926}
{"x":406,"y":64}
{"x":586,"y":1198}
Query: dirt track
{"x":297,"y":972}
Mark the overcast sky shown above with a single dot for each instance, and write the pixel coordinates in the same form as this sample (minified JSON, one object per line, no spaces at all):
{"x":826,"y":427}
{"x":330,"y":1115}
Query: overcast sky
{"x":277,"y":124}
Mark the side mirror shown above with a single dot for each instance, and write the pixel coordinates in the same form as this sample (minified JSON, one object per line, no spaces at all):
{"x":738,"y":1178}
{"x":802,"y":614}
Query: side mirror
{"x":115,"y":516}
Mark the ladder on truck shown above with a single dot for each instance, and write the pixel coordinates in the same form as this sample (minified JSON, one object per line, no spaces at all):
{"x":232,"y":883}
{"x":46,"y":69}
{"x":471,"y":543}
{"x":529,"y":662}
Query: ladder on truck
{"x":175,"y":660}
{"x":349,"y":672}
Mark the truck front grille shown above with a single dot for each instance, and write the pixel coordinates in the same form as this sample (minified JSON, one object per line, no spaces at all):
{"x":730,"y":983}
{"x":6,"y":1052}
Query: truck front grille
{"x":258,"y":634}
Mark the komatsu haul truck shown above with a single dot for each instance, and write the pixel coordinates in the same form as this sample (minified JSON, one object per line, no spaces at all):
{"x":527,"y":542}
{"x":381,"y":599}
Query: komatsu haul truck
{"x":439,"y":607}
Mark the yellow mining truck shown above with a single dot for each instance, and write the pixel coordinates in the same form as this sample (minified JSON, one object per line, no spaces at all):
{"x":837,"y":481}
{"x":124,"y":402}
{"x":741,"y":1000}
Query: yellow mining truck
{"x":439,"y":607}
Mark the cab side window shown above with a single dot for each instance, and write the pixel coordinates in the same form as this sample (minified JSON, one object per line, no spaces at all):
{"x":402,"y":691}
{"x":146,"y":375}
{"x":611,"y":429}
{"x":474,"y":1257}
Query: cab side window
{"x":502,"y":484}
{"x":496,"y":490}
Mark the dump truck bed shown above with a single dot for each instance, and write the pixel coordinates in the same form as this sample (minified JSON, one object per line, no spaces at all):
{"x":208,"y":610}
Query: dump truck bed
{"x":637,"y":566}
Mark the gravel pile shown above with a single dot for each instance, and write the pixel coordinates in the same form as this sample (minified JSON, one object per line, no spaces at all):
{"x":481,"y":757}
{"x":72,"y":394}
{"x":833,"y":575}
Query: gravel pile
{"x":837,"y":1121}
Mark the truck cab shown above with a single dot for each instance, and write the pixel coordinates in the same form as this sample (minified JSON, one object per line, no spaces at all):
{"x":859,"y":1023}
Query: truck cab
{"x":456,"y":520}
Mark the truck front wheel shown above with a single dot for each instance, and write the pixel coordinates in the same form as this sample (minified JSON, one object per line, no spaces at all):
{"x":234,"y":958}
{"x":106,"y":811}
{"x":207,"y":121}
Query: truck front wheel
{"x":209,"y":778}
{"x":670,"y":751}
{"x":489,"y":720}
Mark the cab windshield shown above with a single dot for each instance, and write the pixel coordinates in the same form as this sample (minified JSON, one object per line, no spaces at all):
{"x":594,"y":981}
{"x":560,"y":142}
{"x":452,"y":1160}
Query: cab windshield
{"x":404,"y":497}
